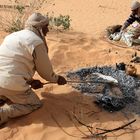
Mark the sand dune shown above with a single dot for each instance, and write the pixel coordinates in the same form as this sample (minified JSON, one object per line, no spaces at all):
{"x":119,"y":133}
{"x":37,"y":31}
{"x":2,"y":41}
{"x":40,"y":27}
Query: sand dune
{"x":80,"y":47}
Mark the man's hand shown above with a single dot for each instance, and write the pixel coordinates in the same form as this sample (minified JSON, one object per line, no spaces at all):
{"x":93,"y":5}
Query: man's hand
{"x":35,"y":84}
{"x":61,"y":80}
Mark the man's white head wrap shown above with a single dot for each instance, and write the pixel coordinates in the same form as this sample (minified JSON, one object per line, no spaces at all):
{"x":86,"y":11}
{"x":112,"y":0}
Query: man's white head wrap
{"x":35,"y":22}
{"x":135,"y":5}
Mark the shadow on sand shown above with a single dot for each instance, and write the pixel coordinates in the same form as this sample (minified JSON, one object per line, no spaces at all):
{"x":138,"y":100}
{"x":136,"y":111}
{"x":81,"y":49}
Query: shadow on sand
{"x":62,"y":110}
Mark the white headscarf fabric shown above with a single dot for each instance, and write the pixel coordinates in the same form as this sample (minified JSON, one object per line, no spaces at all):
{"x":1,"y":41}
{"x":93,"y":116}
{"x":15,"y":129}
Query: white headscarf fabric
{"x":35,"y":22}
{"x":135,"y":5}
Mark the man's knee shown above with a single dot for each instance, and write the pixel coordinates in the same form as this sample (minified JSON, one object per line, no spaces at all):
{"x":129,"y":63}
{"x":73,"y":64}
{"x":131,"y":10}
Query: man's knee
{"x":39,"y":104}
{"x":16,"y":110}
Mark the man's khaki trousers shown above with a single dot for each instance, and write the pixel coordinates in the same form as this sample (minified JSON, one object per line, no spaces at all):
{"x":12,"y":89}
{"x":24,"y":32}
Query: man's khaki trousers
{"x":22,"y":102}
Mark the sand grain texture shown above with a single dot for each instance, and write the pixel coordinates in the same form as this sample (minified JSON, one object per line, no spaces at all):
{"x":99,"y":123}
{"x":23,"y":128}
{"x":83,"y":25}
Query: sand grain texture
{"x":82,"y":46}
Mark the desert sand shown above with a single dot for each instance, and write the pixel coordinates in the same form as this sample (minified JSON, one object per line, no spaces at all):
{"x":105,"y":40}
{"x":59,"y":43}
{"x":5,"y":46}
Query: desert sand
{"x":80,"y":47}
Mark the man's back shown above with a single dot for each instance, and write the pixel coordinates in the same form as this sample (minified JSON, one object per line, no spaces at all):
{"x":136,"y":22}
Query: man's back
{"x":16,"y":60}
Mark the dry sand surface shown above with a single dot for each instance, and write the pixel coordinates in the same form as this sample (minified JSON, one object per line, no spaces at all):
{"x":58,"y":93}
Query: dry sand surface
{"x":82,"y":46}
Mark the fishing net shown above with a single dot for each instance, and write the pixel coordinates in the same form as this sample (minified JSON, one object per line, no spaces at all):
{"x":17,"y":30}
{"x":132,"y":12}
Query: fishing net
{"x":111,"y":97}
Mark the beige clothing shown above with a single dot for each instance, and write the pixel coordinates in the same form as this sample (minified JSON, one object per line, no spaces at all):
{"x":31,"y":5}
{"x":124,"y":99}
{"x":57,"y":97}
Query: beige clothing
{"x":21,"y":66}
{"x":23,"y":102}
{"x":16,"y":60}
{"x":35,"y":22}
{"x":17,"y":64}
{"x":21,"y":54}
{"x":43,"y":64}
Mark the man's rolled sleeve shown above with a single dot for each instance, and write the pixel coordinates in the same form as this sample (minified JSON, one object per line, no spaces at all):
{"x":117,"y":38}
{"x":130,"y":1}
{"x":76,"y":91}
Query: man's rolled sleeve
{"x":43,"y":64}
